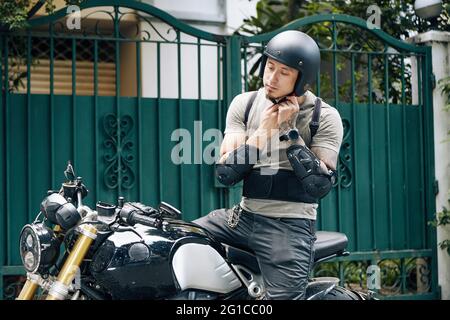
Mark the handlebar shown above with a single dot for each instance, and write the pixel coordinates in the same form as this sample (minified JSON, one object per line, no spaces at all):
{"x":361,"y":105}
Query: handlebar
{"x":140,"y":218}
{"x":131,"y":216}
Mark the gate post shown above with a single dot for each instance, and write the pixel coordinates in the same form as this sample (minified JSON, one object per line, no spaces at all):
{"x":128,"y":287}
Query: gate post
{"x":233,"y":87}
{"x":440,"y":44}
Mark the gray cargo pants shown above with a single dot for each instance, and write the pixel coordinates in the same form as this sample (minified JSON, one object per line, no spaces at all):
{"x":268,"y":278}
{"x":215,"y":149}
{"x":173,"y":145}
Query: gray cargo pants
{"x":283,"y":248}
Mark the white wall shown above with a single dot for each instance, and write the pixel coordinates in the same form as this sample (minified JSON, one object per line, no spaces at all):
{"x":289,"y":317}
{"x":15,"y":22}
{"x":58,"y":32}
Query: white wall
{"x":215,"y":16}
{"x":169,"y":71}
{"x":194,"y":10}
{"x":218,"y":16}
{"x":237,"y":11}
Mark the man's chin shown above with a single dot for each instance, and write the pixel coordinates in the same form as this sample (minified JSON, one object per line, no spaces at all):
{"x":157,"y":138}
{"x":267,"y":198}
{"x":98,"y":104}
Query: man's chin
{"x":271,"y":95}
{"x":273,"y":98}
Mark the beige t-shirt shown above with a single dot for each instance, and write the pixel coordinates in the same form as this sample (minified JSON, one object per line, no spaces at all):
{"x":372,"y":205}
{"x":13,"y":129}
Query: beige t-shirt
{"x":329,"y":135}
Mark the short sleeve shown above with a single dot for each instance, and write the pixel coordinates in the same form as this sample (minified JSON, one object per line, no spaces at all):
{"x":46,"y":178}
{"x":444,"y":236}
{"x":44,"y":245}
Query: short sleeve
{"x":330,"y":132}
{"x":235,"y":116}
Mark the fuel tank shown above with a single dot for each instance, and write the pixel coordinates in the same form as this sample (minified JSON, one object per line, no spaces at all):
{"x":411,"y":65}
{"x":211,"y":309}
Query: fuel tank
{"x":143,"y":262}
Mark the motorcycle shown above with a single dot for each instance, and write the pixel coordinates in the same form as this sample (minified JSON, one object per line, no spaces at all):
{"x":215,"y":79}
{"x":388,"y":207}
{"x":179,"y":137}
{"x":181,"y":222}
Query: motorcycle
{"x":130,"y":250}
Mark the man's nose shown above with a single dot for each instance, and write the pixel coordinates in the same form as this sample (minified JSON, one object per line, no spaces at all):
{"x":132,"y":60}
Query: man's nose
{"x":274,"y":77}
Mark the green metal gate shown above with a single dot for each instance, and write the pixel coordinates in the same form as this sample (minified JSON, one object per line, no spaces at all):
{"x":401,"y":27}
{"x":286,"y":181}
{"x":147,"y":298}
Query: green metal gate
{"x":110,"y":96}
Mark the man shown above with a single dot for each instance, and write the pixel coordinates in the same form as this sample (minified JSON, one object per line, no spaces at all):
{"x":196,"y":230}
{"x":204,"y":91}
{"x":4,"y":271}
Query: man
{"x":276,"y":216}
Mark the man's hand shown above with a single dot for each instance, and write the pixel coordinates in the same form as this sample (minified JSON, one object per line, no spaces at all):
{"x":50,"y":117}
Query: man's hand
{"x":267,"y":128}
{"x":288,"y":112}
{"x":269,"y":120}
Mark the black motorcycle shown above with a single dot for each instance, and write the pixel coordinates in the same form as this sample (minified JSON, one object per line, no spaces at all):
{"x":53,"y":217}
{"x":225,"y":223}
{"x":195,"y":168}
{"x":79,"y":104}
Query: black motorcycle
{"x":130,"y":250}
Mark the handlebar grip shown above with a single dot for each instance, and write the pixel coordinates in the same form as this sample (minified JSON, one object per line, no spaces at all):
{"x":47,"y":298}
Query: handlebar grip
{"x":134,"y":218}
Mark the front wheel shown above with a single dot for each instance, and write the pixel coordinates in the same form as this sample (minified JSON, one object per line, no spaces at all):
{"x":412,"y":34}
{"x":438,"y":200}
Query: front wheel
{"x":340,"y":293}
{"x":330,"y":291}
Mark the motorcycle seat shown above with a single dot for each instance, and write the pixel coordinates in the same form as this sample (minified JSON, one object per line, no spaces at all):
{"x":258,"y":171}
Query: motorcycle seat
{"x":327,"y":244}
{"x":242,"y":257}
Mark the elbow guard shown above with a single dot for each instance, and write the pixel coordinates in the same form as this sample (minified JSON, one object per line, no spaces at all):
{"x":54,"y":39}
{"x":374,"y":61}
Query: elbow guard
{"x":237,"y":165}
{"x":307,"y":169}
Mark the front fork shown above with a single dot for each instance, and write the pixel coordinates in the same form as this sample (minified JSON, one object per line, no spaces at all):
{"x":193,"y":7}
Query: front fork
{"x":60,"y":288}
{"x":29,"y":289}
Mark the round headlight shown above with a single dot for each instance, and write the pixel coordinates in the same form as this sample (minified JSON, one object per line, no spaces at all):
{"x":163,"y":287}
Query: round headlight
{"x":39,"y":247}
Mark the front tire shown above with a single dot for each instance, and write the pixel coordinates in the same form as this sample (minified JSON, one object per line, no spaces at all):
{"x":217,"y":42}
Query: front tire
{"x":340,"y":293}
{"x":325,"y":290}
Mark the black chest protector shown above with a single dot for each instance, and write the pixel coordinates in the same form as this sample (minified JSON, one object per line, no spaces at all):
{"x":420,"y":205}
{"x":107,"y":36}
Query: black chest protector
{"x":305,"y":183}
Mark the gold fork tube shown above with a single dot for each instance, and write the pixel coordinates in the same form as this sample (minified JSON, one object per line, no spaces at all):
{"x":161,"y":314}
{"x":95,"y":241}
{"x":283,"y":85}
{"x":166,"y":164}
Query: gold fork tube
{"x":28,"y":291}
{"x":73,"y":262}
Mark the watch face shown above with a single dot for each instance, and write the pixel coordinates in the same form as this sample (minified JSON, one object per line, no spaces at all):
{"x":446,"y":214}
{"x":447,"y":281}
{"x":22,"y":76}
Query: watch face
{"x":332,"y":174}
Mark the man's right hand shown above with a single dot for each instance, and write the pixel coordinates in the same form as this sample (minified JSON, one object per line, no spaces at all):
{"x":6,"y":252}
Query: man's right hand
{"x":267,"y":128}
{"x":269,"y":120}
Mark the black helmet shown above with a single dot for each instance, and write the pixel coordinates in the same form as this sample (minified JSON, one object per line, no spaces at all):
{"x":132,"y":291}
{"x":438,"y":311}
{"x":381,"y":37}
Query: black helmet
{"x":296,"y":50}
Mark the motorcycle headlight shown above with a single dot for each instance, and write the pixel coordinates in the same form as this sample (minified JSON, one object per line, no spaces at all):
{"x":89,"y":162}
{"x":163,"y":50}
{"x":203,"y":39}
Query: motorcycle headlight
{"x":39,"y":247}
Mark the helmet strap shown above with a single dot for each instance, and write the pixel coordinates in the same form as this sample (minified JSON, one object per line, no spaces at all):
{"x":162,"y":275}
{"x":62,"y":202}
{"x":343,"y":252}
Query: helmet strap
{"x":281,"y":99}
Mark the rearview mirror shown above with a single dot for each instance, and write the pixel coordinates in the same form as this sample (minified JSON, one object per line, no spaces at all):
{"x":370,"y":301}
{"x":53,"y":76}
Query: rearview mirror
{"x":168,"y":210}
